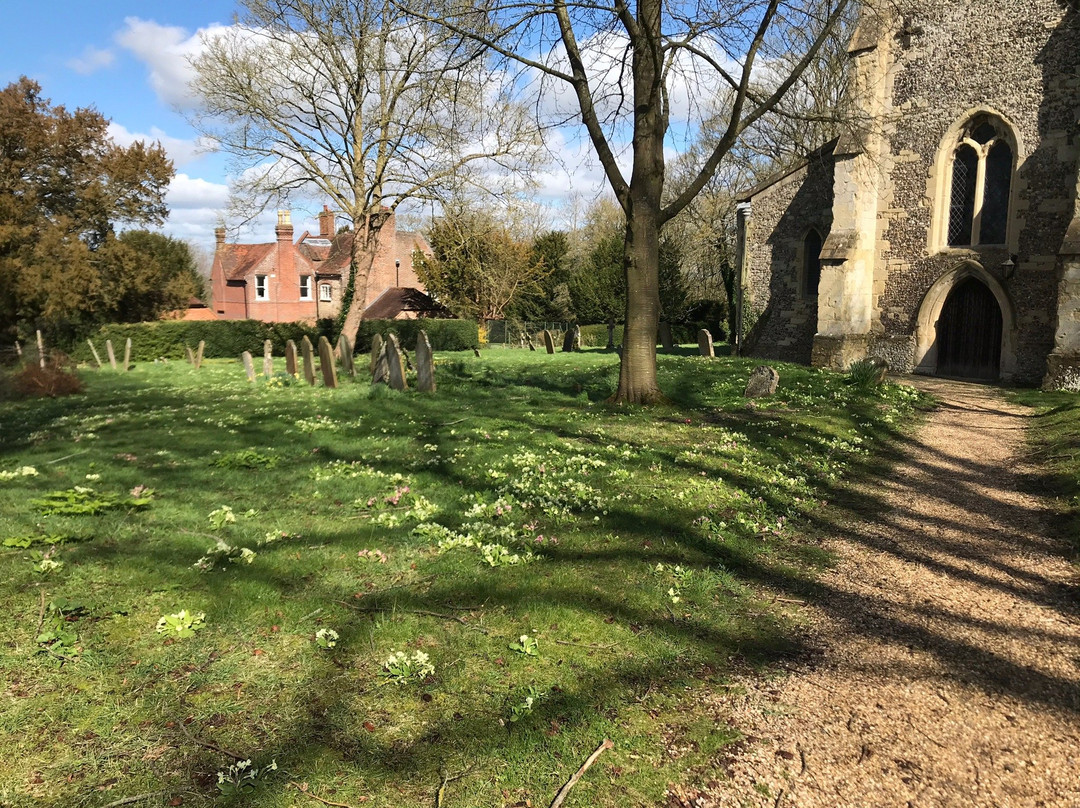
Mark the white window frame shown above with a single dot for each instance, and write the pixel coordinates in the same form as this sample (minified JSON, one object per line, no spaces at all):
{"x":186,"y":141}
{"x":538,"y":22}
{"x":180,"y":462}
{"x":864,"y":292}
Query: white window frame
{"x":325,"y":293}
{"x":262,"y":287}
{"x":305,"y":287}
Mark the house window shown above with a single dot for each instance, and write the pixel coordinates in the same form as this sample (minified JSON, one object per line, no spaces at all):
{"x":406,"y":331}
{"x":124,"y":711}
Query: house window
{"x":811,"y":263}
{"x":324,"y":292}
{"x":981,"y":183}
{"x":305,"y":287}
{"x":260,"y":288}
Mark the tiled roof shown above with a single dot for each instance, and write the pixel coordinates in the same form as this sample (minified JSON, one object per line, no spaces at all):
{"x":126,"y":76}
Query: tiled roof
{"x":238,"y":260}
{"x":395,"y":300}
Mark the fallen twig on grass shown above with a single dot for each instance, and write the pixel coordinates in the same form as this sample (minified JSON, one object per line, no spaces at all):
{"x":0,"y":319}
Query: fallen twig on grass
{"x":207,"y":744}
{"x":41,"y":617}
{"x":136,"y":798}
{"x":589,"y":761}
{"x":587,"y":645}
{"x":446,"y":779}
{"x":303,"y":790}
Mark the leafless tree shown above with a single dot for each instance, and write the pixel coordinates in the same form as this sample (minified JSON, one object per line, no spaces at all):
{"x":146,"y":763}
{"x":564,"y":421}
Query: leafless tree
{"x":633,"y":67}
{"x":355,"y":102}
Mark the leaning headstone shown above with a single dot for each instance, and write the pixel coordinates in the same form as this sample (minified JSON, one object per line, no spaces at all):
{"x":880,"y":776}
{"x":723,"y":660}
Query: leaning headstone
{"x":190,"y":354}
{"x":127,"y":355}
{"x":112,"y":354}
{"x":249,"y":365}
{"x":199,"y":354}
{"x":549,"y":342}
{"x":665,"y":336}
{"x":376,"y":353}
{"x":93,"y":350}
{"x":425,"y":364}
{"x":290,"y":358}
{"x":572,"y":339}
{"x":394,"y":364}
{"x":704,"y":341}
{"x":268,"y":359}
{"x":40,"y":349}
{"x":345,"y":349}
{"x":326,"y":360}
{"x":531,"y":346}
{"x":309,"y":359}
{"x":610,"y":336}
{"x":763,"y":382}
{"x":380,"y":366}
{"x":476,"y":352}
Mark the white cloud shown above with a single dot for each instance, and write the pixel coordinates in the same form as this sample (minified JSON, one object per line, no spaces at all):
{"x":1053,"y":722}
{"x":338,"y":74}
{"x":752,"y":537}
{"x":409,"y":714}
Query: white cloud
{"x":196,"y":207}
{"x":181,"y":151}
{"x":166,"y":51}
{"x":91,"y":60}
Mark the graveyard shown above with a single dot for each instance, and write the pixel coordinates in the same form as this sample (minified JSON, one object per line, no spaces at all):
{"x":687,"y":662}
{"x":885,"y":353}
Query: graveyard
{"x":225,"y":584}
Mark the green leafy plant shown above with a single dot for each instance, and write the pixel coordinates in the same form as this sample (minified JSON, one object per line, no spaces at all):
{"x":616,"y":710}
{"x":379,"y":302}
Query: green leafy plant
{"x":181,"y":624}
{"x":221,"y":516}
{"x":326,"y":638}
{"x":524,"y":708}
{"x":245,"y":459}
{"x":22,"y":471}
{"x":223,"y":551}
{"x":526,"y":645}
{"x":57,"y":636}
{"x":25,"y":542}
{"x":82,"y":501}
{"x":401,"y":668}
{"x":242,"y":776}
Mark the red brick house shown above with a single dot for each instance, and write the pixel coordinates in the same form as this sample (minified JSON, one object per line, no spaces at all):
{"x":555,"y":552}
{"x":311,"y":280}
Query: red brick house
{"x":286,"y":281}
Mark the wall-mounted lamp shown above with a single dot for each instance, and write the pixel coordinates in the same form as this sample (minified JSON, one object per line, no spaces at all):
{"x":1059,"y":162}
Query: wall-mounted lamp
{"x":1008,"y":267}
{"x":397,"y":272}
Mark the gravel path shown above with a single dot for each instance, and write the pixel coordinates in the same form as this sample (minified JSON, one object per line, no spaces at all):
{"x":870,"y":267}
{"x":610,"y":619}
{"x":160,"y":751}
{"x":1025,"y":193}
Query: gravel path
{"x":946,"y":669}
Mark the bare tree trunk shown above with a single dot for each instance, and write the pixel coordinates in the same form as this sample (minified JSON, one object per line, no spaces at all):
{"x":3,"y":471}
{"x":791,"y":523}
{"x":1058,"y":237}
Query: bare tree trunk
{"x":364,"y":246}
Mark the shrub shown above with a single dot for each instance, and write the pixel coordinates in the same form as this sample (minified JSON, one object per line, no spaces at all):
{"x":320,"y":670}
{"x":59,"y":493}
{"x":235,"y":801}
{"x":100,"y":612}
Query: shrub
{"x":595,"y":336}
{"x":224,"y":338}
{"x":866,"y":374}
{"x":444,"y":335}
{"x":54,"y":380}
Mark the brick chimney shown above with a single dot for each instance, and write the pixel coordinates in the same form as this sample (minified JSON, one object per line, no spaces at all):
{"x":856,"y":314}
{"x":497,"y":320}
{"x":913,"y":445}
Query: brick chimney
{"x":326,"y":223}
{"x":286,"y":283}
{"x":219,"y":235}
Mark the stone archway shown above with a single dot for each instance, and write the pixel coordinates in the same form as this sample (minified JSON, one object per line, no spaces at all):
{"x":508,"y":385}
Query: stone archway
{"x":956,"y":332}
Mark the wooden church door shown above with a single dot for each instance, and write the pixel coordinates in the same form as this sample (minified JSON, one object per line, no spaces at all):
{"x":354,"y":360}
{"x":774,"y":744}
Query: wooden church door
{"x":969,"y":333}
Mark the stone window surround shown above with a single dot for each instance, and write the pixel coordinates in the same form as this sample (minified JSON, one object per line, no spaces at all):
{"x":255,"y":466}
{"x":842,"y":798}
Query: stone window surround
{"x":325,"y":293}
{"x":940,"y":182}
{"x":262,"y":289}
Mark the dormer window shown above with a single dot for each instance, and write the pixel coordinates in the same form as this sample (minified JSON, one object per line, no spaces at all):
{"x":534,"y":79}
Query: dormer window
{"x":981,"y":184}
{"x":261,"y":292}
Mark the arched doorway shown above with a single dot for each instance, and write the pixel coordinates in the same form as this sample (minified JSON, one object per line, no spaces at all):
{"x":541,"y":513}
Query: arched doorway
{"x":969,"y":332}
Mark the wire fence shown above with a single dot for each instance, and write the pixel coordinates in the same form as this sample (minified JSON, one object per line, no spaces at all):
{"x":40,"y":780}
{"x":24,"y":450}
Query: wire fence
{"x":517,"y":334}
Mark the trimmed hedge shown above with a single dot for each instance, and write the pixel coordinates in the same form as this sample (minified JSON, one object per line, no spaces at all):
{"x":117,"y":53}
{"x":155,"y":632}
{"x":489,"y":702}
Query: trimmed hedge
{"x":595,"y":336}
{"x":444,"y":335}
{"x":224,"y":338}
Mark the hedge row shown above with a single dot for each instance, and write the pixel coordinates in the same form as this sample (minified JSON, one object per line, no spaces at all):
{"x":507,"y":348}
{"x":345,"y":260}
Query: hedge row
{"x":682,"y":333}
{"x":224,"y":338}
{"x":444,"y":335}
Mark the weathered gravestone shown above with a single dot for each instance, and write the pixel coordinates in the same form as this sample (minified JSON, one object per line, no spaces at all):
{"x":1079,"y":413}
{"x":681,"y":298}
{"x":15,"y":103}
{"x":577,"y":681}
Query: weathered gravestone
{"x":249,"y":365}
{"x":93,"y":350}
{"x":666,"y":342}
{"x":395,"y":366}
{"x":326,"y":360}
{"x":41,"y":350}
{"x":190,"y":354}
{"x":704,"y":341}
{"x":425,"y":364}
{"x":572,"y":340}
{"x":610,"y":336}
{"x":127,"y":355}
{"x":309,"y":360}
{"x":268,"y":359}
{"x":18,"y":349}
{"x":199,"y":354}
{"x":347,"y":365}
{"x":112,"y":354}
{"x":549,"y":343}
{"x":380,"y":366}
{"x":531,"y":346}
{"x":376,"y":352}
{"x":290,"y":358}
{"x":763,"y":382}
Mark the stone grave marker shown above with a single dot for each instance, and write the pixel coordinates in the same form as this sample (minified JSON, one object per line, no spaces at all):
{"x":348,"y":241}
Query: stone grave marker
{"x":347,"y":364}
{"x":531,"y":346}
{"x":395,"y":366}
{"x":610,"y":336}
{"x":425,"y":364}
{"x":326,"y":361}
{"x":290,"y":358}
{"x":190,"y":355}
{"x":249,"y":365}
{"x":199,"y":354}
{"x":309,"y":359}
{"x":18,"y":349}
{"x":763,"y":381}
{"x":665,"y":336}
{"x":380,"y":366}
{"x":376,"y":352}
{"x":93,"y":350}
{"x":41,"y":349}
{"x":268,"y":359}
{"x":127,"y":355}
{"x":549,"y":342}
{"x":112,"y":354}
{"x":571,"y":340}
{"x":476,"y":352}
{"x":704,"y":341}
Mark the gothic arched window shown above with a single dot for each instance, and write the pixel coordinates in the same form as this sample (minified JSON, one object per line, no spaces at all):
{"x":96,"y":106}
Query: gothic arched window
{"x":811,"y":263}
{"x":982,"y":170}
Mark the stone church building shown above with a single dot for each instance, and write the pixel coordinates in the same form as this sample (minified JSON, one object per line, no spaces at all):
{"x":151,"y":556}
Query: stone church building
{"x":942,"y":233}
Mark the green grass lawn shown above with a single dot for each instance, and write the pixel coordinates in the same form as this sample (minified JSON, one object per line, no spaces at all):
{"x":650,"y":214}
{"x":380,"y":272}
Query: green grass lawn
{"x":406,"y":599}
